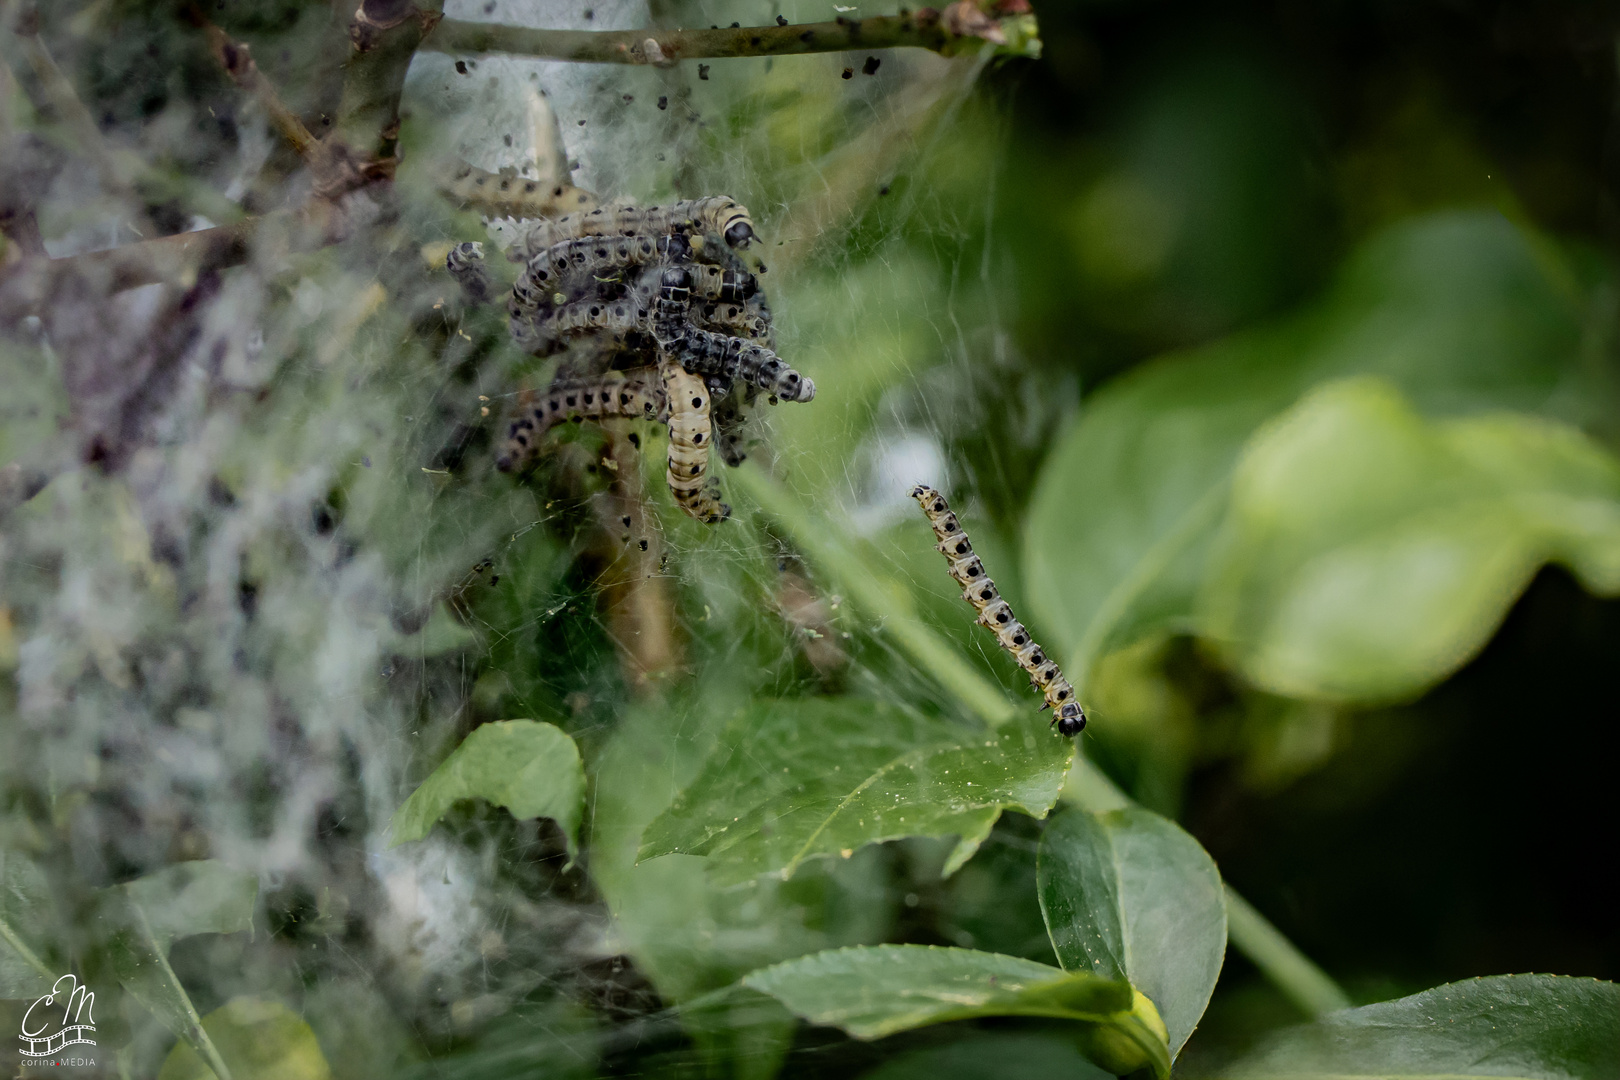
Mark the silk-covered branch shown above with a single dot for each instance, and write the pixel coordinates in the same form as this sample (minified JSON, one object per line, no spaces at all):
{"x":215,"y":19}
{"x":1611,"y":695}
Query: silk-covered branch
{"x":960,"y":26}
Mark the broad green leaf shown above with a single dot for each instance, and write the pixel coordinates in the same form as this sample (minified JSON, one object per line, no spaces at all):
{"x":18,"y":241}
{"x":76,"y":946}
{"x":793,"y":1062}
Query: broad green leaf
{"x":880,"y":990}
{"x":1368,"y":553}
{"x":1128,"y":895}
{"x":259,"y":1040}
{"x":25,"y":906}
{"x":802,"y":779}
{"x":142,"y":918}
{"x":690,"y":935}
{"x":529,"y":767}
{"x":992,"y":1057}
{"x":1461,"y":310}
{"x":1530,"y":1027}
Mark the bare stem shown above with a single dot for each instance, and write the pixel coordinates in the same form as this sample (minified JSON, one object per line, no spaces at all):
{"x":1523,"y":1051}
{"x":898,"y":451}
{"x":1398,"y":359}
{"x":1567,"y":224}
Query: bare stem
{"x":926,"y":29}
{"x":169,"y":258}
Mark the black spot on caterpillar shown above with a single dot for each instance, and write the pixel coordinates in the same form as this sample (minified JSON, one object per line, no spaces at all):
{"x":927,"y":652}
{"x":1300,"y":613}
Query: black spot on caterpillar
{"x":996,"y":615}
{"x":638,"y":395}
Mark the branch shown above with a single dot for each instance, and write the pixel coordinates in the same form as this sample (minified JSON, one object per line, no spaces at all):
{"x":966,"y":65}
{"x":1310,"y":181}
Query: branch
{"x":336,"y":169}
{"x":237,"y":61}
{"x":170,"y":258}
{"x":385,"y":34}
{"x":959,"y":26}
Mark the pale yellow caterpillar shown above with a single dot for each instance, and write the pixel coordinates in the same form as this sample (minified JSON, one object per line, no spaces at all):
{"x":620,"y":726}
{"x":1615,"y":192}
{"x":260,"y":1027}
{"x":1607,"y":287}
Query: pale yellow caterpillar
{"x":506,"y":194}
{"x":980,"y":591}
{"x":689,"y":437}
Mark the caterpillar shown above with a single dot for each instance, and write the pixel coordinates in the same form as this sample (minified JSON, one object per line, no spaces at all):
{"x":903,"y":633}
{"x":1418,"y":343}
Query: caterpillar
{"x":547,"y":330}
{"x":729,"y":294}
{"x":980,"y":591}
{"x":506,"y":194}
{"x":726,"y":356}
{"x":689,"y":432}
{"x":717,"y":215}
{"x":466,"y":264}
{"x":638,"y":395}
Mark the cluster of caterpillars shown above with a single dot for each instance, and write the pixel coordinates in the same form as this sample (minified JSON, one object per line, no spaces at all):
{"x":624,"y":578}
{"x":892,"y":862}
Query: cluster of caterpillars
{"x":658,"y":314}
{"x":996,"y":615}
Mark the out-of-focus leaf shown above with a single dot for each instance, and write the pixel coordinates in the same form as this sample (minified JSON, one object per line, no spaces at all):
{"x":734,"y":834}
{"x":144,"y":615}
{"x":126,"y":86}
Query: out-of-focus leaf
{"x":1461,"y":310}
{"x":259,"y":1040}
{"x":803,"y":779}
{"x":205,"y":897}
{"x":1367,"y":553}
{"x":1535,"y":1027}
{"x":531,"y":768}
{"x":880,"y":990}
{"x":1128,"y":895}
{"x":142,"y":918}
{"x":25,"y":903}
{"x":740,"y":1033}
{"x":992,"y":1057}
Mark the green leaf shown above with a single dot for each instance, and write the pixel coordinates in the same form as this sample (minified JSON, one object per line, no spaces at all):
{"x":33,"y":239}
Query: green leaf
{"x":1461,"y":310}
{"x":1533,"y":1027}
{"x":205,"y":897}
{"x":1129,"y":895}
{"x":801,"y":779}
{"x":1368,"y":553}
{"x":529,"y":767}
{"x":688,"y":934}
{"x":879,"y":990}
{"x":992,"y":1057}
{"x":259,"y":1040}
{"x":25,"y":905}
{"x":142,"y":918}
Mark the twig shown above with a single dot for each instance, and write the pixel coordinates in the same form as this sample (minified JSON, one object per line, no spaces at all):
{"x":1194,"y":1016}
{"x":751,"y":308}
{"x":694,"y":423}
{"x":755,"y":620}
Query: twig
{"x":336,"y":168}
{"x":237,"y":61}
{"x":170,"y":258}
{"x":944,"y":31}
{"x":115,"y":168}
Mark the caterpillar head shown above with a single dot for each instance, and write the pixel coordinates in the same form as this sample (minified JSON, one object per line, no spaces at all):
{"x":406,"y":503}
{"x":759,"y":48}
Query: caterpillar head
{"x":1070,"y":719}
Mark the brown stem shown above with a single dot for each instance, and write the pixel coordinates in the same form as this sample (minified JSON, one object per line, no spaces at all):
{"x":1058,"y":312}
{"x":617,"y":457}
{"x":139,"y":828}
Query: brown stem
{"x":385,"y":34}
{"x":924,"y":29}
{"x":635,"y":597}
{"x":180,"y":257}
{"x":237,"y":61}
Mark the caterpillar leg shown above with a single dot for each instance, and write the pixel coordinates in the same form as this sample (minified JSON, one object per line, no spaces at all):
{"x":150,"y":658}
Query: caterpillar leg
{"x":689,"y":439}
{"x":466,"y":264}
